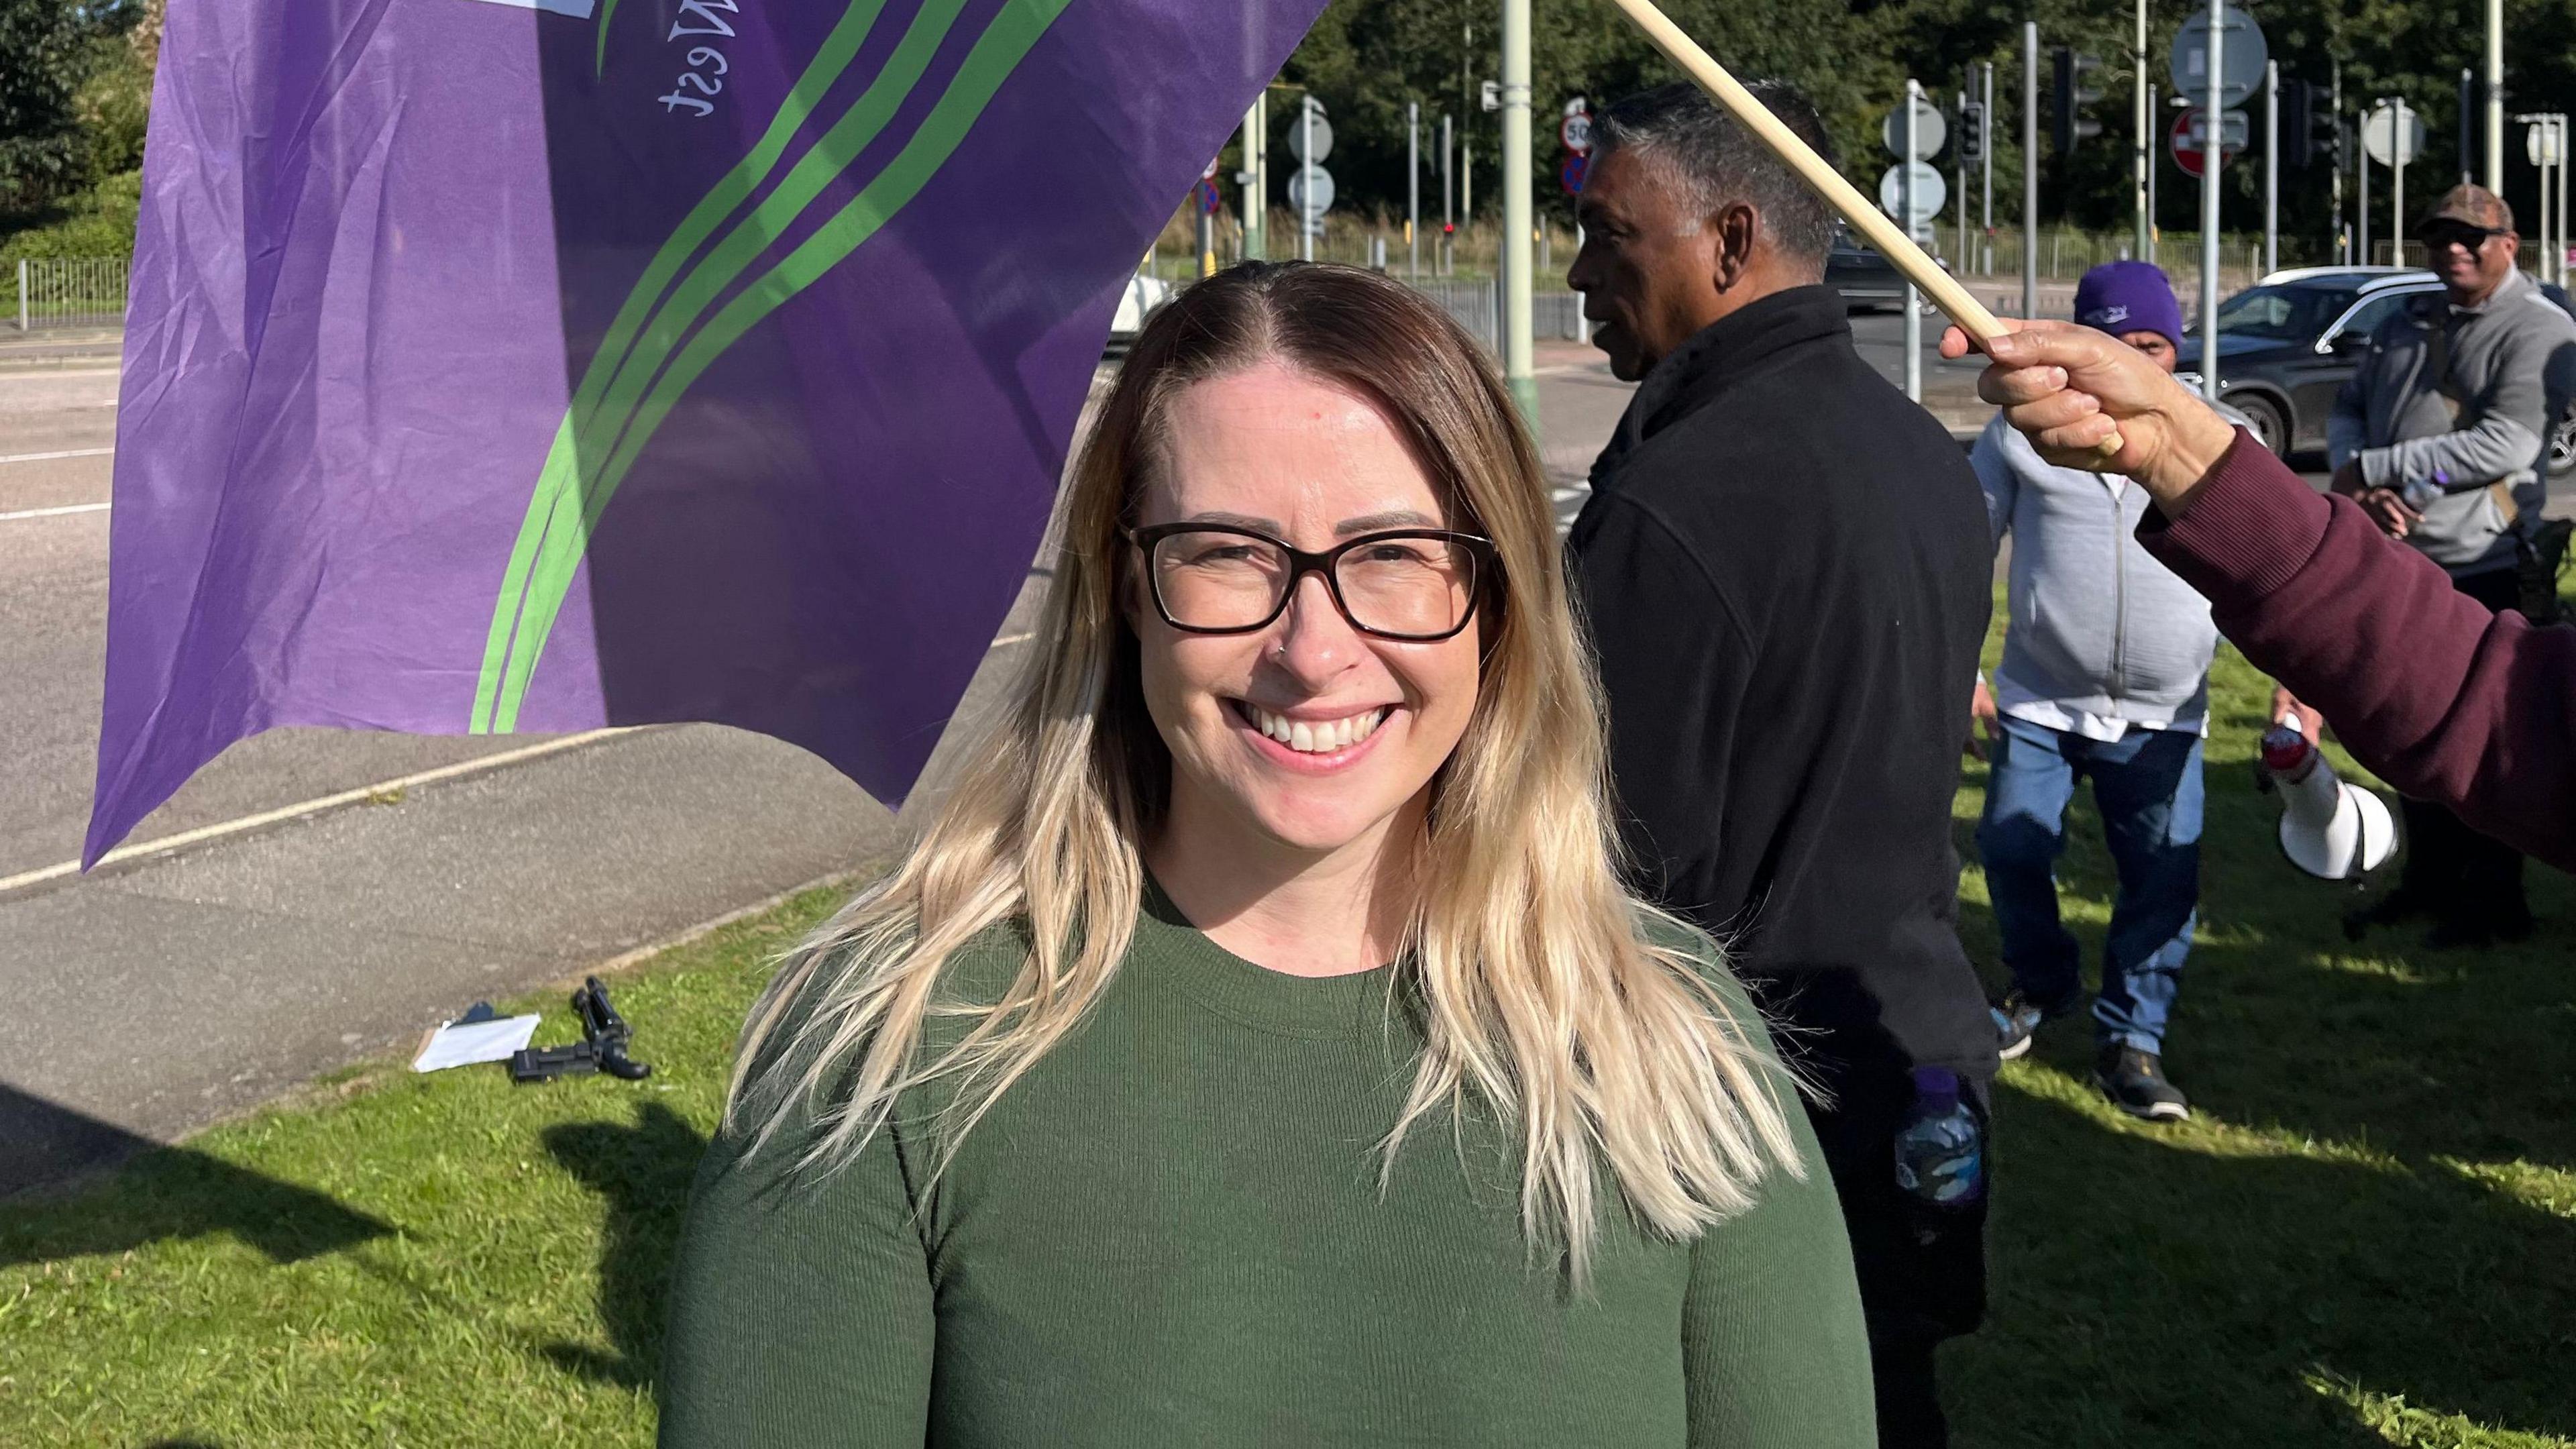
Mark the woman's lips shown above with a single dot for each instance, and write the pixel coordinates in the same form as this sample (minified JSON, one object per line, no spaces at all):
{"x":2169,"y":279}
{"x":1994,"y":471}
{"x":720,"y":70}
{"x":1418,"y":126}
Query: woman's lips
{"x":1248,"y":720}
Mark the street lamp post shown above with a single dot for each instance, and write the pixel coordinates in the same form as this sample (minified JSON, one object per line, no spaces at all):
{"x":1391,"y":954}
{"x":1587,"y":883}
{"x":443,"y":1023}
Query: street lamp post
{"x":1413,"y":189}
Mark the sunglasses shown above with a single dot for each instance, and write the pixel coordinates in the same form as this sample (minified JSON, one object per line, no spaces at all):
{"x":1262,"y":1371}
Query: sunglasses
{"x":2441,"y":234}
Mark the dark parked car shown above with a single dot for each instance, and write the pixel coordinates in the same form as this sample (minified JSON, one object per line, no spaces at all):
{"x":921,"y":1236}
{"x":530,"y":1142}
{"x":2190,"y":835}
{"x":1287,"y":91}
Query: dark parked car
{"x":2287,"y":344}
{"x":1867,"y":280}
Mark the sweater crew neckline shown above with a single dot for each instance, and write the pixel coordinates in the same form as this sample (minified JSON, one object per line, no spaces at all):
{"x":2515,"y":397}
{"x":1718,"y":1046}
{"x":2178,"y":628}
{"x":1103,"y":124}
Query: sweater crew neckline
{"x":1251,"y":993}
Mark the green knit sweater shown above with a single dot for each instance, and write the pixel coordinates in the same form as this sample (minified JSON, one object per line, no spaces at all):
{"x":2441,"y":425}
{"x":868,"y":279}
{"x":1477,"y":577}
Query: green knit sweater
{"x":1172,"y":1232}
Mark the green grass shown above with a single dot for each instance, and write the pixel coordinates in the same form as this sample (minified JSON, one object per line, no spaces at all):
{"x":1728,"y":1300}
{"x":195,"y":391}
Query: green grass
{"x":2368,"y":1236}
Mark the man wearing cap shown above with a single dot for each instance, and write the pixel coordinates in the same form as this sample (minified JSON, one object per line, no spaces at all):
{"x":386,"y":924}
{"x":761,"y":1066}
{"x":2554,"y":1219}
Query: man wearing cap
{"x":2442,"y":437}
{"x":2105,"y":676}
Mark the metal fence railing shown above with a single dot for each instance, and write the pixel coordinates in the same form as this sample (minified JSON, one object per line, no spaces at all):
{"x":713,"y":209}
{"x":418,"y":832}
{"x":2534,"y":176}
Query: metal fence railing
{"x":1476,"y":306}
{"x":70,"y":292}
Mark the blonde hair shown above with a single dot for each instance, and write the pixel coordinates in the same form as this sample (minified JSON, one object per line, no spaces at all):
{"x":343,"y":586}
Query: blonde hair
{"x":1531,"y":968}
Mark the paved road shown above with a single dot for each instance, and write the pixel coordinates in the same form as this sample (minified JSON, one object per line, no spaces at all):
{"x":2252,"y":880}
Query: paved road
{"x":147,"y":1000}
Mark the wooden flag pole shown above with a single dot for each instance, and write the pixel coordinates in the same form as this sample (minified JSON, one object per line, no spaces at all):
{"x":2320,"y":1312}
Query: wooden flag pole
{"x":1910,"y":260}
{"x":1863,"y":213}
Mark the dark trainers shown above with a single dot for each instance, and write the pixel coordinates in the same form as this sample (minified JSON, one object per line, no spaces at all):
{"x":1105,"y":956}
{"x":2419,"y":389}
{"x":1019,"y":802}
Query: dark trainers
{"x":2135,"y":1083}
{"x":2018,"y":1018}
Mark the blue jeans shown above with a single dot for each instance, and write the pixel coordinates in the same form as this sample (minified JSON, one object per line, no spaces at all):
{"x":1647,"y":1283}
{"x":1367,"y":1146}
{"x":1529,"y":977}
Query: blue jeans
{"x":2147,"y":786}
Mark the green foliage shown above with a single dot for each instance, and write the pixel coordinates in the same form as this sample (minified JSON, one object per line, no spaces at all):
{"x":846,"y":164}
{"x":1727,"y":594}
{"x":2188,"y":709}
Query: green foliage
{"x":71,"y":98}
{"x":96,"y":222}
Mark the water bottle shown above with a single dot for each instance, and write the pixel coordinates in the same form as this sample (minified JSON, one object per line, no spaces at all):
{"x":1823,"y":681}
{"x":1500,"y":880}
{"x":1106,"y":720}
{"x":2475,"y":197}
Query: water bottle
{"x":1941,"y":1154}
{"x":2423,"y":493}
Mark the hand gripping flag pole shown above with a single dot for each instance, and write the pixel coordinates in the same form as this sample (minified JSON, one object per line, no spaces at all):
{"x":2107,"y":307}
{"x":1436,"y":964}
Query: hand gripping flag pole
{"x":1912,"y":261}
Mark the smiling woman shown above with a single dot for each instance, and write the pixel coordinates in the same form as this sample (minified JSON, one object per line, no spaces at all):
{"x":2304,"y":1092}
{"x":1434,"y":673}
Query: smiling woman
{"x":1093,"y":1123}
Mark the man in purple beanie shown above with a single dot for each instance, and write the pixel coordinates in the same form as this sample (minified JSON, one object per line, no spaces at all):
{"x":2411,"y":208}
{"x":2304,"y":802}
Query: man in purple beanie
{"x":2105,"y":676}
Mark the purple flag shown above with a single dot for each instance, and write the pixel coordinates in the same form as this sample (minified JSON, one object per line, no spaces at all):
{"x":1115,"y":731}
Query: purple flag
{"x":504,"y":365}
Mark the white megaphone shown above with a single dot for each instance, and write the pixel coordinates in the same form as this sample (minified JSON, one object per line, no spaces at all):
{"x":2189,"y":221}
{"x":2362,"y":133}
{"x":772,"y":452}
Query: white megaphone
{"x":2329,"y":828}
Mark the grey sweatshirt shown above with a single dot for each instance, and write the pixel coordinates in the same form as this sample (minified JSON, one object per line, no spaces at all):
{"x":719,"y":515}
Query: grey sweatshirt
{"x":2485,"y":423}
{"x":2098,"y":627}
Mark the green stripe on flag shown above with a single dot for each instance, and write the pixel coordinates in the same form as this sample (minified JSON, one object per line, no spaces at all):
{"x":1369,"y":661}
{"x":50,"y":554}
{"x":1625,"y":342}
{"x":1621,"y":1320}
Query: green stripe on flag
{"x":840,"y":47}
{"x":606,"y":9}
{"x":996,"y":55}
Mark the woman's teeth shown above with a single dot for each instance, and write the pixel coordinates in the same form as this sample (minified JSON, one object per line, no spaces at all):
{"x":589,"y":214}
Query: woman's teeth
{"x":1315,"y":737}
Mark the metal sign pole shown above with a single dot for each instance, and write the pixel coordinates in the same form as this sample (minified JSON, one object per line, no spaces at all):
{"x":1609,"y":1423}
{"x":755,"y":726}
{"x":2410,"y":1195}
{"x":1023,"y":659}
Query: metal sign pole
{"x":2495,"y":96}
{"x":1306,"y":180}
{"x":1986,"y":147}
{"x":2399,"y":133}
{"x":2030,"y":168}
{"x":1913,"y":299}
{"x":1413,"y":189}
{"x":1448,"y":191}
{"x":2213,"y":159}
{"x":2271,"y":168}
{"x":2143,"y":162}
{"x":1516,"y":256}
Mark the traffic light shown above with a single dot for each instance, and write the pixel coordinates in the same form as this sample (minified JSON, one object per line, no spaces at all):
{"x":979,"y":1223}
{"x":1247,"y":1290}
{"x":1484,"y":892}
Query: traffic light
{"x":1972,"y":132}
{"x":2298,"y":124}
{"x":2074,"y":90}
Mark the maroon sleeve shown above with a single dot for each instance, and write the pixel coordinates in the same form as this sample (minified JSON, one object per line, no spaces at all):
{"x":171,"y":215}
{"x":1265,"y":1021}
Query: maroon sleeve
{"x":2445,"y":700}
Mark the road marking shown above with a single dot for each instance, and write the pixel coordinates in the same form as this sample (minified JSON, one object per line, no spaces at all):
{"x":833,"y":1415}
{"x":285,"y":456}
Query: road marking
{"x":50,"y":373}
{"x":50,"y":457}
{"x":283,"y":813}
{"x":67,"y":508}
{"x":186,"y":838}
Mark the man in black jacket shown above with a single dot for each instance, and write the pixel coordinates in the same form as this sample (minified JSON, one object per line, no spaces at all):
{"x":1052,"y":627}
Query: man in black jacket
{"x":1786,"y":571}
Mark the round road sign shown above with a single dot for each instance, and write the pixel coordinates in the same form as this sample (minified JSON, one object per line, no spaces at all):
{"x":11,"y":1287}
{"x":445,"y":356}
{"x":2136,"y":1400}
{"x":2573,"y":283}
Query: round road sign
{"x":1929,"y":130}
{"x":1576,"y":133}
{"x":1323,"y":139}
{"x":1323,"y":184}
{"x":1571,"y":174}
{"x":2241,"y":58}
{"x":1929,"y":193}
{"x":2542,"y":144}
{"x":2380,"y":135}
{"x":2190,"y":139}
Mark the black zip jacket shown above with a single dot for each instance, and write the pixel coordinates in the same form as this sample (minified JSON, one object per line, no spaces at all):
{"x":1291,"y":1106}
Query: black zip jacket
{"x":1785,"y":569}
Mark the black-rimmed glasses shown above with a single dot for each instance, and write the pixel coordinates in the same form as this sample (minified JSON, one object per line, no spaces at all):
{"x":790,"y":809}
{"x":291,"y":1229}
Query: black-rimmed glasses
{"x":1414,"y":584}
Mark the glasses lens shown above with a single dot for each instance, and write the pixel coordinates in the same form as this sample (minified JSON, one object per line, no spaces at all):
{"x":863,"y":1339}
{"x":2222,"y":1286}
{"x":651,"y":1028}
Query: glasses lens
{"x":2467,"y":238}
{"x":1218,"y":580}
{"x":1412,"y":587}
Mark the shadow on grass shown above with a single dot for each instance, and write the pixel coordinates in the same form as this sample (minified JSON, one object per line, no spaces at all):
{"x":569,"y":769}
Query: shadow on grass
{"x":2376,"y":1197}
{"x":158,"y":1193}
{"x":642,"y":1176}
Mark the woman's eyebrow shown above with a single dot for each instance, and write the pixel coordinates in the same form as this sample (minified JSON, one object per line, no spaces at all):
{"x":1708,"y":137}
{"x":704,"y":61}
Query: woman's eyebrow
{"x":1236,"y":520}
{"x":1393,"y":518}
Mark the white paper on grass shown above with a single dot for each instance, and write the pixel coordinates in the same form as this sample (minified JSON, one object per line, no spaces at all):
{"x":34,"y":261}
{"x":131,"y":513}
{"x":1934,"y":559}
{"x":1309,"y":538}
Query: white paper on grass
{"x":483,"y":1041}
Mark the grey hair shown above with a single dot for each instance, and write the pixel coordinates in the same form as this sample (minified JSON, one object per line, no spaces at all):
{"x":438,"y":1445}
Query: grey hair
{"x":1717,"y":164}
